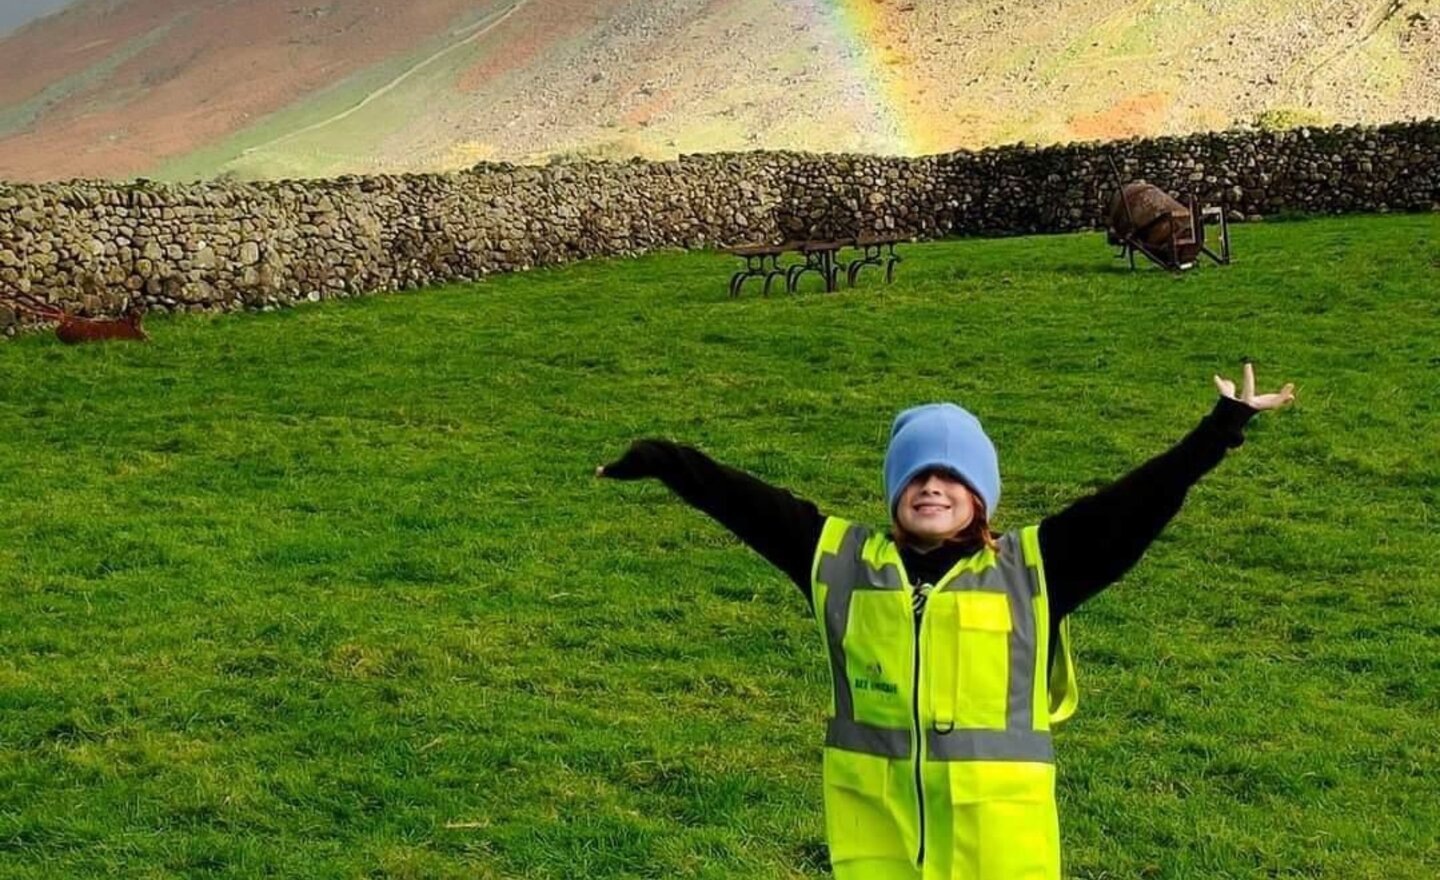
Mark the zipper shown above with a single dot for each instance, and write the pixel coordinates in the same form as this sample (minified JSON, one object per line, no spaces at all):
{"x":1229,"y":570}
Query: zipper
{"x":920,"y":601}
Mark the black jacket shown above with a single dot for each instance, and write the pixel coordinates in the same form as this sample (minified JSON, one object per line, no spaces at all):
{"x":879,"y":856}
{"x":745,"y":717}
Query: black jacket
{"x":1085,"y":547}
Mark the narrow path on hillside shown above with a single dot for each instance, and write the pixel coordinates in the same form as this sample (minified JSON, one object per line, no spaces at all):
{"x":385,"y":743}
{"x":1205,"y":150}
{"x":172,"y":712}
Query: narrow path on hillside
{"x":1379,"y":15}
{"x":481,"y":28}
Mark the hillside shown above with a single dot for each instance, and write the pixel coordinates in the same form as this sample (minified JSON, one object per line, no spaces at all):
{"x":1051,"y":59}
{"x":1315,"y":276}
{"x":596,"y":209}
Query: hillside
{"x":186,"y":88}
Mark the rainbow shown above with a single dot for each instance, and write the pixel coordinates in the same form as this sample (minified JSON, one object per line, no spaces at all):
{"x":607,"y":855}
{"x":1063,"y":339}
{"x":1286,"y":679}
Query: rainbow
{"x":860,"y":26}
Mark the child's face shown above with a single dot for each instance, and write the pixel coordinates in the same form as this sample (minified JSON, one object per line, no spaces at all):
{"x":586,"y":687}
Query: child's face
{"x":934,"y":506}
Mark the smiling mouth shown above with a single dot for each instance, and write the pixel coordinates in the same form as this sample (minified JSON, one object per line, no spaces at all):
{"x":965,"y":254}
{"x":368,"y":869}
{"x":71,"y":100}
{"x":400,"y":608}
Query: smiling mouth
{"x":931,"y":508}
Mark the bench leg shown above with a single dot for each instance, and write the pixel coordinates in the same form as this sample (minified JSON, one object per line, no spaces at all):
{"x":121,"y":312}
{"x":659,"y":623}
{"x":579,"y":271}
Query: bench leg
{"x":777,"y":271}
{"x":816,"y":263}
{"x":859,"y":266}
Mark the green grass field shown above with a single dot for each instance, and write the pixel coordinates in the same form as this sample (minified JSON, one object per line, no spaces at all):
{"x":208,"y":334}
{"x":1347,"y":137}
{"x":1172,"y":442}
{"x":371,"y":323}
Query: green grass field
{"x":333,"y":593}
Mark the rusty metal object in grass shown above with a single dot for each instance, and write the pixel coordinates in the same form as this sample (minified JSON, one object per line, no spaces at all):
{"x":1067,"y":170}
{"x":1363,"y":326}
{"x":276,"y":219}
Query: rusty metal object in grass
{"x":1142,"y":218}
{"x":73,"y":329}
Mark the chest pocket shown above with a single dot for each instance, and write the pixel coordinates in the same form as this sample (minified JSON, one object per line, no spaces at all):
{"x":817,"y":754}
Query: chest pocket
{"x":969,"y":634}
{"x":877,"y":657}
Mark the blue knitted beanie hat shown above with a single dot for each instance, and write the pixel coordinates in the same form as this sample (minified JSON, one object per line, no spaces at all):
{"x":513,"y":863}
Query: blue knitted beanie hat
{"x":941,"y":435}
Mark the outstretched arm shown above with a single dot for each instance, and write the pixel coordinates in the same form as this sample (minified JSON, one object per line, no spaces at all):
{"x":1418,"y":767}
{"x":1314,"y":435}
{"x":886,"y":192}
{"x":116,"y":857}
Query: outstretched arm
{"x":777,"y":525}
{"x":1090,"y":544}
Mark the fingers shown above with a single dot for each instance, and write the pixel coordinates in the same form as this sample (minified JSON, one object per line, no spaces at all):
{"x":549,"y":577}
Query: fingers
{"x":1225,"y":386}
{"x":1249,"y":387}
{"x":600,"y":470}
{"x":1284,"y":396}
{"x":1276,"y":400}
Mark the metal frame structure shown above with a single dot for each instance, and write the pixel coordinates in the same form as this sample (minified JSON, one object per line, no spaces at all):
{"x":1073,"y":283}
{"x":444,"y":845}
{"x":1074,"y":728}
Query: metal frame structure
{"x":821,"y":257}
{"x":1133,"y":240}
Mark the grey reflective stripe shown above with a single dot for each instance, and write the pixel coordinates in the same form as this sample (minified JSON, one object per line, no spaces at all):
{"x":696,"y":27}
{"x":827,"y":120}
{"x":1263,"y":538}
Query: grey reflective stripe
{"x":1016,"y":576}
{"x":989,"y":745}
{"x":847,"y":570}
{"x":887,"y":578}
{"x":840,"y":573}
{"x":854,"y":736}
{"x":1010,"y":573}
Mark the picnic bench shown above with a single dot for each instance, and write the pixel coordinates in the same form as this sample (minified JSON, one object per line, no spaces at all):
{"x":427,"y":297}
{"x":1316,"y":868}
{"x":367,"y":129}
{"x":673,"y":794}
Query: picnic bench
{"x":819,"y":256}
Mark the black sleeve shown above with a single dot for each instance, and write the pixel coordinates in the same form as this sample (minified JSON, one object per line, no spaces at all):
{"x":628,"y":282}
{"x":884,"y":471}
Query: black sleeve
{"x":1090,"y":544}
{"x":777,"y":525}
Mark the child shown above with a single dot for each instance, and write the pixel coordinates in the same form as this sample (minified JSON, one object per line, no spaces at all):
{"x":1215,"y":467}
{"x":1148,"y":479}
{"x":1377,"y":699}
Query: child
{"x":948,"y":645}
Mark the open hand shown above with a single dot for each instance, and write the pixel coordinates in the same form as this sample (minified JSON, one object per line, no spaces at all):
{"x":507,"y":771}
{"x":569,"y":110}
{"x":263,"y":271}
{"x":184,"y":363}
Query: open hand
{"x":1247,"y":395}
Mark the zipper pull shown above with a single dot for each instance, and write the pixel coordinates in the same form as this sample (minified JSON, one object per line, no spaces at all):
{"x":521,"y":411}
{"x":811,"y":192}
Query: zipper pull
{"x":922,"y":592}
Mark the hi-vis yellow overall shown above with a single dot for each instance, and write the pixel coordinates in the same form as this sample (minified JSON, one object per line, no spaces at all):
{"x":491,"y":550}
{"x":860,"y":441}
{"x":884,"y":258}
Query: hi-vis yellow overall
{"x":938,"y":764}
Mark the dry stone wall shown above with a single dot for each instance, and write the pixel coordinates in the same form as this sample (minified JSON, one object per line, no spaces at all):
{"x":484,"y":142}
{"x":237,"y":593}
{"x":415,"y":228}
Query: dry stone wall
{"x":95,"y":247}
